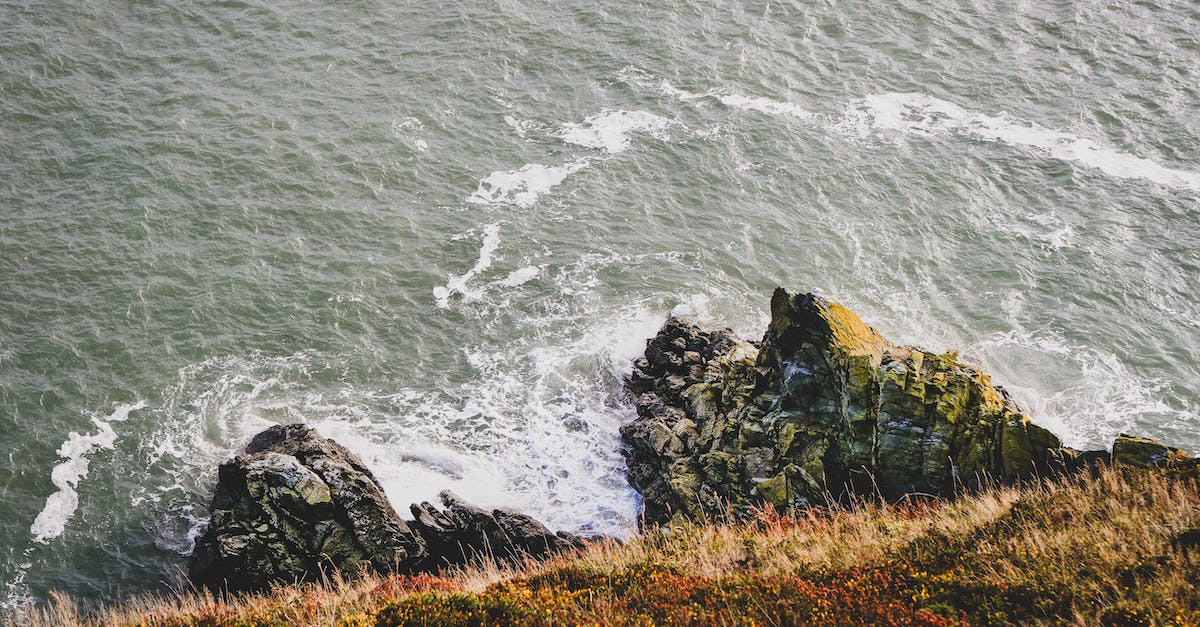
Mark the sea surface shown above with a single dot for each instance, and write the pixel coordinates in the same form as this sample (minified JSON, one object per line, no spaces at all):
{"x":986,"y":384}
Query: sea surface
{"x":439,"y":232}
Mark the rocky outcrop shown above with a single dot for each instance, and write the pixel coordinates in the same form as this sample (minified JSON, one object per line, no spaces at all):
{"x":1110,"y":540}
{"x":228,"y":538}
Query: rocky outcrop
{"x":296,"y":505}
{"x":821,"y":408}
{"x":464,"y":532}
{"x":1147,"y":453}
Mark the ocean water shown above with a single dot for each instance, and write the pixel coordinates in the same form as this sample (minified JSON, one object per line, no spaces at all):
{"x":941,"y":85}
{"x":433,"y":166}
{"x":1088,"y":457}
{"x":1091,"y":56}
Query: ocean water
{"x":440,"y":232}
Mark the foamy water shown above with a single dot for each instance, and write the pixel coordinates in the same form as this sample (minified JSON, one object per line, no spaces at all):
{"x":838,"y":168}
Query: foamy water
{"x":73,"y":468}
{"x":924,"y":114}
{"x":611,"y":131}
{"x":522,"y":187}
{"x":458,"y":284}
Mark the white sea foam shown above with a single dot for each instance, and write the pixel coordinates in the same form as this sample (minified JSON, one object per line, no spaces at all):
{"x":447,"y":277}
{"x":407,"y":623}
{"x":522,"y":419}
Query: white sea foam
{"x":522,"y":187}
{"x":1085,"y":395}
{"x":16,"y":589}
{"x":608,"y":130}
{"x":611,"y":131}
{"x":458,"y":284}
{"x":521,"y":276}
{"x":763,"y":105}
{"x":924,"y":114}
{"x":408,"y":131}
{"x":731,"y":99}
{"x":522,"y":127}
{"x":215,"y":407}
{"x":695,"y":308}
{"x":536,"y":428}
{"x":66,"y":475}
{"x":416,"y":469}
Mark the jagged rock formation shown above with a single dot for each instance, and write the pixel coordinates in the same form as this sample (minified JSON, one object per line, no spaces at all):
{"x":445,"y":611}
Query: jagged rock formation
{"x":296,"y":505}
{"x":464,"y":531}
{"x":822,"y":407}
{"x":292,"y":506}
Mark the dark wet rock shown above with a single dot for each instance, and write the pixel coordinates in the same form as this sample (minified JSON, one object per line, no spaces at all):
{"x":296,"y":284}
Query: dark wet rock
{"x":1147,"y":453}
{"x":526,"y":535}
{"x":361,"y":505}
{"x":821,"y":408}
{"x":296,"y":506}
{"x":1087,"y":460}
{"x":463,"y":532}
{"x":293,"y":506}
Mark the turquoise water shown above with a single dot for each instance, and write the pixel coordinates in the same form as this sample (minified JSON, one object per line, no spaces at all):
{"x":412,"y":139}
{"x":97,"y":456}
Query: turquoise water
{"x":440,"y":233}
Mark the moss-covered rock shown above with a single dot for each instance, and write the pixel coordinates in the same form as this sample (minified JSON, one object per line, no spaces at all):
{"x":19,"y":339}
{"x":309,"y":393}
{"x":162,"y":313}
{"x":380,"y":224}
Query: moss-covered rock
{"x":1147,"y":453}
{"x":822,"y":407}
{"x":296,"y":505}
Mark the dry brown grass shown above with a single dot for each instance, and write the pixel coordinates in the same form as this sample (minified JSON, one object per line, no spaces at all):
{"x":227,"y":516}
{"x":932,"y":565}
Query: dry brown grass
{"x":1088,"y":550}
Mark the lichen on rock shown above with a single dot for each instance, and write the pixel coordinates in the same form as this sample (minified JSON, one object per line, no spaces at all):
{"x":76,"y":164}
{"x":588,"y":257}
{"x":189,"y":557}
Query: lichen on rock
{"x":822,"y":408}
{"x":294,"y":506}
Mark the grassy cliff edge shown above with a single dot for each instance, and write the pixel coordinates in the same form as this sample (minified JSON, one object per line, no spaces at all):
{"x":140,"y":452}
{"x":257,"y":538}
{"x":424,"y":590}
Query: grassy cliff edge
{"x":1117,"y":546}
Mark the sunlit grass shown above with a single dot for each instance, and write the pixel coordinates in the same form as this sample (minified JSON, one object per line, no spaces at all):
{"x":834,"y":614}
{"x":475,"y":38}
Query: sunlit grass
{"x":1104,"y":548}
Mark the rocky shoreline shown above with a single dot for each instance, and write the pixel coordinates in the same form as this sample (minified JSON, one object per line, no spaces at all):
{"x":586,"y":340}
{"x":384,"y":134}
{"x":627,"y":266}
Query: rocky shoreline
{"x":822,"y":409}
{"x":296,"y":507}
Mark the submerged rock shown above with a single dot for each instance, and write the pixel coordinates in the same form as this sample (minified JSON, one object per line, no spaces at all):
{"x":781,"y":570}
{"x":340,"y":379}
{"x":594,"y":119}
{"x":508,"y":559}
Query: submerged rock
{"x":821,"y":408}
{"x":296,"y":506}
